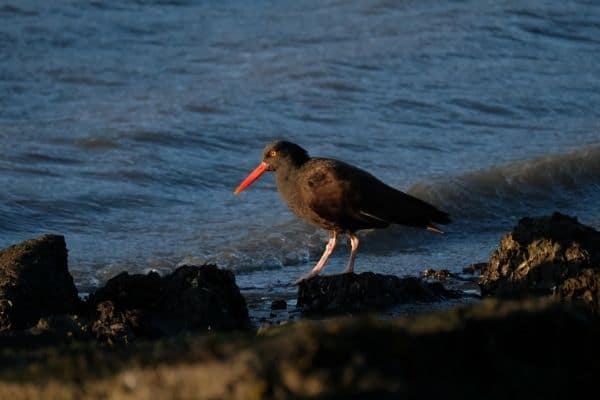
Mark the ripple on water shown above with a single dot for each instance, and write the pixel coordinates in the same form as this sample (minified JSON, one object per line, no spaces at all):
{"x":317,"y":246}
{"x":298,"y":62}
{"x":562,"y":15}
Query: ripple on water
{"x":129,"y":137}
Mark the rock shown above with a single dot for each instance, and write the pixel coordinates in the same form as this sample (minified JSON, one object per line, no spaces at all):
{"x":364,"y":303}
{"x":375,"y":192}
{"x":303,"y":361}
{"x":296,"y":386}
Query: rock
{"x":57,"y":328}
{"x":493,"y":349}
{"x":191,"y":298}
{"x":541,"y":255}
{"x":584,"y":287}
{"x":279,"y":304}
{"x":366,"y":291}
{"x":35,"y":282}
{"x":466,"y":285}
{"x":54,"y":330}
{"x":113,"y":326}
{"x":440,"y":275}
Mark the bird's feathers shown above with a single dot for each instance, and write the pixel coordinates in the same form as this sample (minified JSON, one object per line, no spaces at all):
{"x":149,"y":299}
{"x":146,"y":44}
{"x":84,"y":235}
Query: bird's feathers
{"x":354,"y":199}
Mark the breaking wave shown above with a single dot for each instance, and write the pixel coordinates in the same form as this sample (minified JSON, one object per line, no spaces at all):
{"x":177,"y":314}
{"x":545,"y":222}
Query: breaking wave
{"x":519,"y":187}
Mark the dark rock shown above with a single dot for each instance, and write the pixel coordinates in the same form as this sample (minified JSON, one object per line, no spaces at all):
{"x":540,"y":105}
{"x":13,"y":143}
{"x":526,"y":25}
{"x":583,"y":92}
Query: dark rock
{"x":189,"y":299}
{"x":440,"y":275}
{"x":126,"y":291}
{"x":113,"y":326}
{"x":494,"y":349}
{"x":366,"y":291}
{"x":279,"y":304}
{"x":541,"y":255}
{"x":465,"y":285}
{"x":35,"y":282}
{"x":59,"y":327}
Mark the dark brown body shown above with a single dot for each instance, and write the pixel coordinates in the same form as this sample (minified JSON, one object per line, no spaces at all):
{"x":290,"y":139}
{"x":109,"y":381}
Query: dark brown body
{"x":337,"y":196}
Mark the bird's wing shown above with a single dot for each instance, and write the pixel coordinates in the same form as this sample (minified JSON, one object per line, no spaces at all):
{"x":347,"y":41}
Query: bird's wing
{"x":330,"y":190}
{"x":397,"y":207}
{"x":345,"y":193}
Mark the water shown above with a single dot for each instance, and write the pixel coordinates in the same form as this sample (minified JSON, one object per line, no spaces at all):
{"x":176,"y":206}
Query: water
{"x":126,"y":126}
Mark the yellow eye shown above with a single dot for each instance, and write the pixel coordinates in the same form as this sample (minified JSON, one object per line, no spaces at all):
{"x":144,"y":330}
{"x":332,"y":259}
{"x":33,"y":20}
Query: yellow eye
{"x":272,"y":153}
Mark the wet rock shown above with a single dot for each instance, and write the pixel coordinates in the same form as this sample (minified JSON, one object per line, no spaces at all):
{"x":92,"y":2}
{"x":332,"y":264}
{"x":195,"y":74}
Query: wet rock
{"x":545,"y":255}
{"x":191,"y":298}
{"x":348,"y":293}
{"x":35,"y":282}
{"x":440,"y":275}
{"x":464,"y":284}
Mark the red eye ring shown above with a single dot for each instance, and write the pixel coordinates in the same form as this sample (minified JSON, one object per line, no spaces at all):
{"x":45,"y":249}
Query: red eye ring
{"x":272,"y":153}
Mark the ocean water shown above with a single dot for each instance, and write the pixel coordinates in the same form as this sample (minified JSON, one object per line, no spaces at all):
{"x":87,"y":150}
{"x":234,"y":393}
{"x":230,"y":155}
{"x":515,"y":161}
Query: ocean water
{"x":126,"y":125}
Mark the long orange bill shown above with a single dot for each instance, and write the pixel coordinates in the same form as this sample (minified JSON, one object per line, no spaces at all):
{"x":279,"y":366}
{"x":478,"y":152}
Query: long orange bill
{"x":254,"y":175}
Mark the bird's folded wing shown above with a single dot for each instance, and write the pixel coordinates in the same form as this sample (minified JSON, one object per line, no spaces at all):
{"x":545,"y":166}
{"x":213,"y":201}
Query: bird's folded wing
{"x":342,"y":192}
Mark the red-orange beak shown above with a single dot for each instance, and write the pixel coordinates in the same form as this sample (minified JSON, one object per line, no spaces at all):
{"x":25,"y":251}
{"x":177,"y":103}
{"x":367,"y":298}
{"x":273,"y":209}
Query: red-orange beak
{"x":254,"y":175}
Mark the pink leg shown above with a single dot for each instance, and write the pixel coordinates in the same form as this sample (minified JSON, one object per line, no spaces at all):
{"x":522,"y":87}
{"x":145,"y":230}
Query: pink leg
{"x":319,"y":266}
{"x":354,"y":245}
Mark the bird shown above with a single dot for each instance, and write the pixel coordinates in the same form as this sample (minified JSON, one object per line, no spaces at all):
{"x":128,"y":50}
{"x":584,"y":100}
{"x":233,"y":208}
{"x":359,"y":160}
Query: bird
{"x":339,"y":197}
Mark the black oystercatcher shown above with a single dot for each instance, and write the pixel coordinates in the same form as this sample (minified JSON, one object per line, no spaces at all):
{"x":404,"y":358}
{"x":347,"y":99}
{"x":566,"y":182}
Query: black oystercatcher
{"x":339,"y":197}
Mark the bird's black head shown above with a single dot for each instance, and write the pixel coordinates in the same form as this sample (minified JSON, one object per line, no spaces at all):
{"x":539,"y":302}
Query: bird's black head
{"x":283,"y":153}
{"x":277,"y":155}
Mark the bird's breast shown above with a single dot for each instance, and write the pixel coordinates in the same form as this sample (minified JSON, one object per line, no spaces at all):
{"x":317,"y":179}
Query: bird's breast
{"x":299,"y":193}
{"x":289,"y":190}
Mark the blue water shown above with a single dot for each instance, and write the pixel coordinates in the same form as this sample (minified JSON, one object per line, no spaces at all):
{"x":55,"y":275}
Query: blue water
{"x":126,"y":125}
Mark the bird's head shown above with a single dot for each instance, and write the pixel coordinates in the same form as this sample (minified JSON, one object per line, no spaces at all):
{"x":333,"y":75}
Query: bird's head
{"x":277,"y":155}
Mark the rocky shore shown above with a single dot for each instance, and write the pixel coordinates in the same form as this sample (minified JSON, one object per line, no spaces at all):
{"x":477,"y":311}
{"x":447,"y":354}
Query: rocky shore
{"x":189,"y":334}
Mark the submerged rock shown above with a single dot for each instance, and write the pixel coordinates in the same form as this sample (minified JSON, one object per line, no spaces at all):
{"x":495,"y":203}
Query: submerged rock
{"x":347,"y":293}
{"x":547,"y":255}
{"x":35,"y":282}
{"x":191,"y":298}
{"x":279,"y":304}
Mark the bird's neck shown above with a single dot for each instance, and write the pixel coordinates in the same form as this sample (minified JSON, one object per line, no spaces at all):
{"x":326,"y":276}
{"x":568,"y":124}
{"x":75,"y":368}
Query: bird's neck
{"x":286,"y":179}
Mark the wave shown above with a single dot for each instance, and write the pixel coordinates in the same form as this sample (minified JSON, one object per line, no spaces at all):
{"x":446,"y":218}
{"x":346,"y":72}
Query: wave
{"x":521,"y":186}
{"x":486,"y":201}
